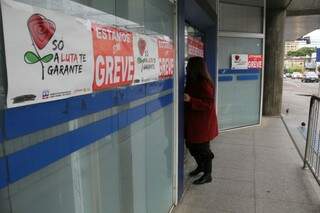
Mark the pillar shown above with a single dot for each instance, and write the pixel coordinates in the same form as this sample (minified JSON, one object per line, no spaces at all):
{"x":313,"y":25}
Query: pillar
{"x":274,"y":62}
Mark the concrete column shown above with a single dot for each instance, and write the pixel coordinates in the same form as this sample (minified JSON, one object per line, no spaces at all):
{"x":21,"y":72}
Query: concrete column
{"x":274,"y":62}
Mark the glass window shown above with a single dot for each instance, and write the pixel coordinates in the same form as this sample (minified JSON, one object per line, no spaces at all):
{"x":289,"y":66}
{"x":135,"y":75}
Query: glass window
{"x":238,"y":91}
{"x":129,"y":171}
{"x":239,"y":18}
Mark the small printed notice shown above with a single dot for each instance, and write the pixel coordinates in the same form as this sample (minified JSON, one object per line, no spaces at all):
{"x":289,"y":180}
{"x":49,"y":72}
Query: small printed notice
{"x":113,"y":57}
{"x":246,"y":61}
{"x":239,"y":61}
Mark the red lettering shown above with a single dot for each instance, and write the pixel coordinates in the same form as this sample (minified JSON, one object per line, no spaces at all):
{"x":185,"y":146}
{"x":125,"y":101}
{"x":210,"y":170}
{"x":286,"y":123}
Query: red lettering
{"x":69,"y":57}
{"x":166,"y":67}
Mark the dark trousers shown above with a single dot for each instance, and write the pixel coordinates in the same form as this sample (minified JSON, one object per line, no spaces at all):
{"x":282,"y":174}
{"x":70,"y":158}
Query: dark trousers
{"x":203,"y":155}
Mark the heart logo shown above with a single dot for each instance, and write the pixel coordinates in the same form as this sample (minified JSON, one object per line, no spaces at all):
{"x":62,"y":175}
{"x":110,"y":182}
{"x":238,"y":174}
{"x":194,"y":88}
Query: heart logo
{"x":41,"y":29}
{"x":237,"y":57}
{"x":142,"y":44}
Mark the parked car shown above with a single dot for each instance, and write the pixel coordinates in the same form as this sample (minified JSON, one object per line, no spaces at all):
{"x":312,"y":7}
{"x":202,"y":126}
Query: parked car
{"x":310,"y":77}
{"x":288,"y":75}
{"x":296,"y":75}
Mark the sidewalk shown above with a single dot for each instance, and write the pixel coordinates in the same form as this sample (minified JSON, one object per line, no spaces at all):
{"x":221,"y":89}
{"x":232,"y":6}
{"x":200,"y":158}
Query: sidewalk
{"x":255,"y":170}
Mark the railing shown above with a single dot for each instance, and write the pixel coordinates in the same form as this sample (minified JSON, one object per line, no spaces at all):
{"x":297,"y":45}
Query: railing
{"x":312,"y":150}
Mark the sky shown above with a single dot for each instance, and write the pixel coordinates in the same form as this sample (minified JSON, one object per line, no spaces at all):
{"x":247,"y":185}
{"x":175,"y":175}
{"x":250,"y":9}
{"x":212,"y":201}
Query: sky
{"x":315,"y":40}
{"x":314,"y":37}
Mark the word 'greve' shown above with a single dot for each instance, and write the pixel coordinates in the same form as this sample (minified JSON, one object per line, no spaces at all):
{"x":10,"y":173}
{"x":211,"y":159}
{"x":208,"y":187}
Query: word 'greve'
{"x":113,"y":70}
{"x":166,"y":66}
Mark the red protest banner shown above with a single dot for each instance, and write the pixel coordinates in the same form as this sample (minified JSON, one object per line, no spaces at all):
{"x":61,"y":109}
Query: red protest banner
{"x":195,"y":47}
{"x":166,"y":55}
{"x":113,"y":57}
{"x":255,"y":61}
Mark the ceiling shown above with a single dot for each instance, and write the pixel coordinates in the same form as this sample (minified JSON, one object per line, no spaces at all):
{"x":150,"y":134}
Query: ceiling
{"x":244,"y":2}
{"x":277,"y":4}
{"x":298,"y":26}
{"x":304,"y":7}
{"x":303,"y":16}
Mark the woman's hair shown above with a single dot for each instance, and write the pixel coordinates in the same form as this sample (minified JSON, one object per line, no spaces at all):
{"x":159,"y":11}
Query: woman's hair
{"x":197,"y":70}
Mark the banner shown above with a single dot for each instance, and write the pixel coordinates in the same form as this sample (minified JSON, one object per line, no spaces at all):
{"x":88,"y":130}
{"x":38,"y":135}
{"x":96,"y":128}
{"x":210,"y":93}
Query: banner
{"x":318,"y":55}
{"x":255,"y":61}
{"x":48,"y":54}
{"x":146,"y":57}
{"x":195,"y":47}
{"x":113,"y":57}
{"x":166,"y":58}
{"x":239,"y":61}
{"x":52,"y":56}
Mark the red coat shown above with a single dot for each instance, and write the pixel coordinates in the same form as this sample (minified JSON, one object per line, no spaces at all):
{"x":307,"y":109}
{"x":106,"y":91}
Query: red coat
{"x":201,"y":123}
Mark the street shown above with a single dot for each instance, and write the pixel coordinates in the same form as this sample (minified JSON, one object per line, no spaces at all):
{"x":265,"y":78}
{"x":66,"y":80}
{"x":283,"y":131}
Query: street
{"x":296,"y":98}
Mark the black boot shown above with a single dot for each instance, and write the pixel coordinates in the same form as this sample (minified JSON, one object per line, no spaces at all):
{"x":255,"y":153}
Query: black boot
{"x":207,"y":169}
{"x":195,"y":172}
{"x":211,"y":155}
{"x":199,"y":168}
{"x":206,"y":178}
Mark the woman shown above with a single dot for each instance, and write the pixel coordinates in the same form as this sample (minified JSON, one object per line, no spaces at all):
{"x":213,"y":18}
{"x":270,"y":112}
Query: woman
{"x":201,"y":124}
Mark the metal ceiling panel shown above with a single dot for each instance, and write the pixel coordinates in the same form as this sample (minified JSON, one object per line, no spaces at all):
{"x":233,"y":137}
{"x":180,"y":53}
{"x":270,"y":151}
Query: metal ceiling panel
{"x":297,"y":26}
{"x":304,"y":4}
{"x":275,"y":4}
{"x":258,"y":3}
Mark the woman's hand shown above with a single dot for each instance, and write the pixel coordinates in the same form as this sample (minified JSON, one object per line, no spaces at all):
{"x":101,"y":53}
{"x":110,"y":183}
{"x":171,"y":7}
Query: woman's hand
{"x":187,"y":97}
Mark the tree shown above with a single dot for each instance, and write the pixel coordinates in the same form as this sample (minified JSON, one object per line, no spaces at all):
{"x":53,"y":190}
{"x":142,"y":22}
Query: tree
{"x":304,"y":51}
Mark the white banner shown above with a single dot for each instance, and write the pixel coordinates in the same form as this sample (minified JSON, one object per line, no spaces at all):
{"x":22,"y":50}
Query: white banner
{"x":147,"y":66}
{"x":239,"y":61}
{"x":49,"y":55}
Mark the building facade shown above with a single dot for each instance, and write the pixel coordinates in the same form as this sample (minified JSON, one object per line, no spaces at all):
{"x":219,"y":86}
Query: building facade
{"x":92,"y":97}
{"x":291,"y":46}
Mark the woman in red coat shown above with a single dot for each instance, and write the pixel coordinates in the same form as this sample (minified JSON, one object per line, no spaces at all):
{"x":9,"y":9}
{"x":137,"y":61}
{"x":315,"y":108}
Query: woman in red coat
{"x":201,"y":124}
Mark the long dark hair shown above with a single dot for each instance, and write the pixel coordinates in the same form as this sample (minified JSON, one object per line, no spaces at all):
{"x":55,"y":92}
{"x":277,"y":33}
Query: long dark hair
{"x":197,"y":70}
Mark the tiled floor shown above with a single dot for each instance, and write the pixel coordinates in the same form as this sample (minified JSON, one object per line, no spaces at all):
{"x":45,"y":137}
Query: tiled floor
{"x":255,"y":170}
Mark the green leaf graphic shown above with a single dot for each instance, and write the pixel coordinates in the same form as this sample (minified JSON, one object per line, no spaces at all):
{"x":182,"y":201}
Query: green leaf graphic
{"x":47,"y":58}
{"x":141,"y":60}
{"x":31,"y":58}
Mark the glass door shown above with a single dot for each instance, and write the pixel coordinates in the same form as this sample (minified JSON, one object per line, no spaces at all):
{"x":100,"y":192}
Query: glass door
{"x":240,"y":64}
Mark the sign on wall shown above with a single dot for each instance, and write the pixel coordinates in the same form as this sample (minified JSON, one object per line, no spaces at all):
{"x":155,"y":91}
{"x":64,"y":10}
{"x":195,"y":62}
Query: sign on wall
{"x":245,"y":61}
{"x":318,"y":55}
{"x":113,"y":57}
{"x":195,"y":47}
{"x":48,"y":54}
{"x":166,"y":58}
{"x":52,"y":56}
{"x":146,"y":59}
{"x":255,"y":61}
{"x":239,"y":61}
